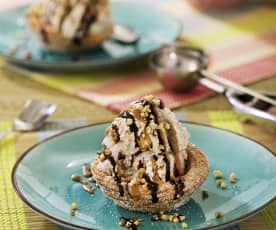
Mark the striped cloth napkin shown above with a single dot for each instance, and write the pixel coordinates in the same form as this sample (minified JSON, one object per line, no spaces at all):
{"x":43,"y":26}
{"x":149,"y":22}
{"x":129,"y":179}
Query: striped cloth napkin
{"x":241,"y":43}
{"x":15,"y":215}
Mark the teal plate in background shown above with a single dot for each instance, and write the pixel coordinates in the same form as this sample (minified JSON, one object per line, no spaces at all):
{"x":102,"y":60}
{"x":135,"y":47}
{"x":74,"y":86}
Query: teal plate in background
{"x":41,"y":178}
{"x":150,"y":23}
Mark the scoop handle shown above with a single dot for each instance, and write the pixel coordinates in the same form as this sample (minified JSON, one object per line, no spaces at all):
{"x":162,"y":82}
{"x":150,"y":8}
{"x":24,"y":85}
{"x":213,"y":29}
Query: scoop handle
{"x":232,"y":85}
{"x":212,"y":85}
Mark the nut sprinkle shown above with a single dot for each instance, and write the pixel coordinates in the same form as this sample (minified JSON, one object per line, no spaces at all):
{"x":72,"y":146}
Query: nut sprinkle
{"x":85,"y":184}
{"x":130,"y":223}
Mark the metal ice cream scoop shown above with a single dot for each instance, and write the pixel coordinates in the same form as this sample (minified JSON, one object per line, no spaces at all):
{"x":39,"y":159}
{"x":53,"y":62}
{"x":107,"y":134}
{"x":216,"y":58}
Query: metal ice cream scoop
{"x":180,"y":68}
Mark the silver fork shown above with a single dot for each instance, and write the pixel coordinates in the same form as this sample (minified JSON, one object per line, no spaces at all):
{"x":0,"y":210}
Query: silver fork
{"x":32,"y":117}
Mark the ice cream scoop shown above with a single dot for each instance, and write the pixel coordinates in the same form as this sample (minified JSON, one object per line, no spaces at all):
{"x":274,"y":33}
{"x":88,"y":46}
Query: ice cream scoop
{"x":146,"y":162}
{"x":70,"y":25}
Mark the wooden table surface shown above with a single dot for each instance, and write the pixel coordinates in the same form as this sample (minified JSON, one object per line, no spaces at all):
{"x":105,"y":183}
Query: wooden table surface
{"x":15,"y":89}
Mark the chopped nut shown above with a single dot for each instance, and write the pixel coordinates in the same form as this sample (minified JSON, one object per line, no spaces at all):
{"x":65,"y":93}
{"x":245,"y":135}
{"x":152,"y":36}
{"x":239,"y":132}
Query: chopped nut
{"x":156,"y":101}
{"x":136,"y":222}
{"x":175,"y":219}
{"x":217,"y":174}
{"x":167,"y":126}
{"x":184,"y":225}
{"x":74,"y":206}
{"x":129,"y":121}
{"x":153,"y":125}
{"x":149,"y":97}
{"x":223,"y":185}
{"x":114,"y":133}
{"x":148,"y":130}
{"x":143,"y":114}
{"x":84,"y":182}
{"x":146,"y":109}
{"x":161,"y":126}
{"x":171,"y":217}
{"x":155,"y":218}
{"x":91,"y":179}
{"x":122,"y":221}
{"x":76,"y":177}
{"x":165,"y":217}
{"x":108,"y":131}
{"x":138,"y":106}
{"x":218,"y":214}
{"x":89,"y":188}
{"x":102,"y":157}
{"x":86,"y":171}
{"x":182,"y":218}
{"x":205,"y":193}
{"x":141,"y":180}
{"x":136,"y":219}
{"x":107,"y":151}
{"x":232,"y":178}
{"x":141,"y":172}
{"x":219,"y":181}
{"x":128,"y":224}
{"x":72,"y":212}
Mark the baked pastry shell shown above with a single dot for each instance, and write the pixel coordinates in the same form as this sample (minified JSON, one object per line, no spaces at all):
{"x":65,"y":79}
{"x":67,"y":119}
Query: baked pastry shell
{"x":196,"y":173}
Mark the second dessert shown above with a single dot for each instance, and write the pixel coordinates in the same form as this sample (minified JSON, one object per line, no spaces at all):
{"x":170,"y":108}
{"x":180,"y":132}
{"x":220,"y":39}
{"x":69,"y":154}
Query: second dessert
{"x":70,"y":25}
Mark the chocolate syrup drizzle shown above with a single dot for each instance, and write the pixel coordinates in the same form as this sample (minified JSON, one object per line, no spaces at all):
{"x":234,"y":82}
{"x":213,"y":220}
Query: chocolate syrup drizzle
{"x":161,"y":105}
{"x":167,"y":167}
{"x":82,"y":31}
{"x":116,"y":129}
{"x":121,"y":156}
{"x":116,"y":177}
{"x":140,"y":165}
{"x":153,"y":187}
{"x":68,"y":9}
{"x":179,"y":186}
{"x":151,"y":106}
{"x":155,"y":119}
{"x":44,"y":36}
{"x":133,"y":127}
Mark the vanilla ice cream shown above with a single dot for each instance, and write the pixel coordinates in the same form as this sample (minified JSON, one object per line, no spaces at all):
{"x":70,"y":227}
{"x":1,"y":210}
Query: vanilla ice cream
{"x":145,"y":152}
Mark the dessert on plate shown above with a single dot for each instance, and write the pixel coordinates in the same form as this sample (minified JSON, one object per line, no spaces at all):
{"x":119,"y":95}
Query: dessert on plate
{"x":70,"y":25}
{"x":146,"y":162}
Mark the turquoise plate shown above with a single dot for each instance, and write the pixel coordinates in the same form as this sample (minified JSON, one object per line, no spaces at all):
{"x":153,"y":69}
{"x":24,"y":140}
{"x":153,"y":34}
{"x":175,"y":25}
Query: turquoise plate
{"x":41,"y":178}
{"x":151,"y":24}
